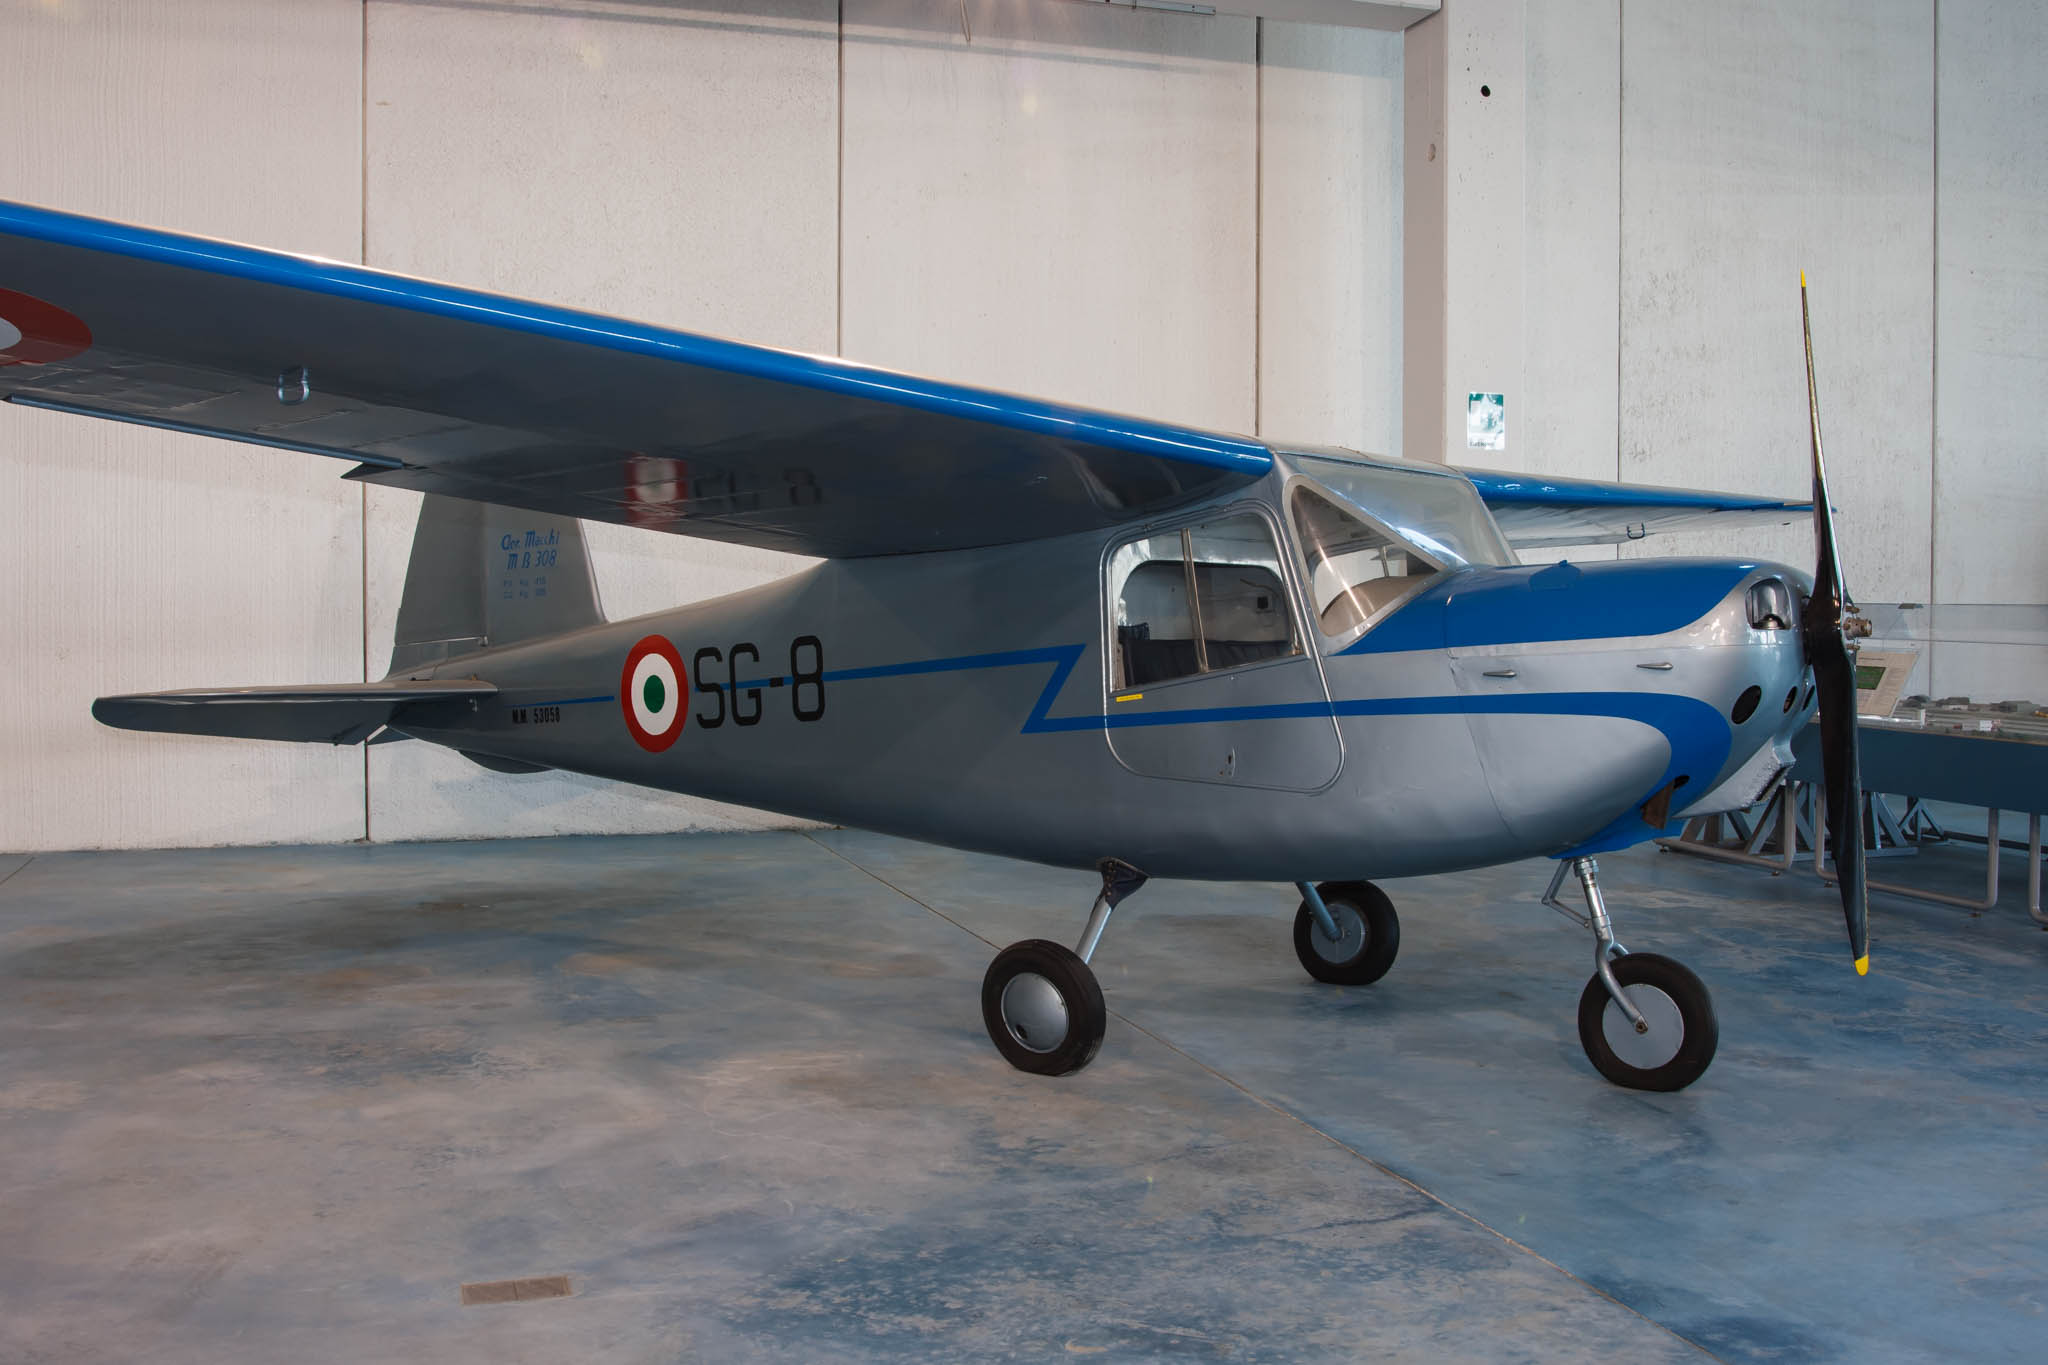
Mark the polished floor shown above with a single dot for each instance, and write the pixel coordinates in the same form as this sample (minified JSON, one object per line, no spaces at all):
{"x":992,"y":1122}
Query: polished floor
{"x":259,"y":1105}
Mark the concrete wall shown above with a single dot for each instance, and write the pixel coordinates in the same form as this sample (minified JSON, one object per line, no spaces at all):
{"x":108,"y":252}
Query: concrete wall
{"x":1569,"y":420}
{"x":1079,"y":202}
{"x":1065,"y":206}
{"x":1991,"y":303}
{"x":138,"y":559}
{"x":1330,"y":264}
{"x":1680,"y":164}
{"x":1739,"y":167}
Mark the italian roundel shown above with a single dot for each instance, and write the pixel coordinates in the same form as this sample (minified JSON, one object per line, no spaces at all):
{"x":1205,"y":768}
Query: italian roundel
{"x":36,"y":333}
{"x":653,"y":695}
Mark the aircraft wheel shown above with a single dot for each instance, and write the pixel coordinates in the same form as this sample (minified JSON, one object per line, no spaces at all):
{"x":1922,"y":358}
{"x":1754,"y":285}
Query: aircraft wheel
{"x":1682,"y":1032}
{"x":1043,"y":1008}
{"x":1369,"y":934}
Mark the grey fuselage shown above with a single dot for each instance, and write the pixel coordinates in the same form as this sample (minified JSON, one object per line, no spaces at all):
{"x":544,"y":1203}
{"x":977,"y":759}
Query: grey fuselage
{"x":979,"y":699}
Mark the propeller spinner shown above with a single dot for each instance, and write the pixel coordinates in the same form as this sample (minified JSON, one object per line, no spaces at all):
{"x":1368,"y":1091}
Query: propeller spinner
{"x":1825,"y":630}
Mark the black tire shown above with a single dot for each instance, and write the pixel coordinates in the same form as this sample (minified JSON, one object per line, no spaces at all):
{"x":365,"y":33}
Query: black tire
{"x":1033,"y":1037}
{"x":1372,"y":935}
{"x":1699,"y":1032}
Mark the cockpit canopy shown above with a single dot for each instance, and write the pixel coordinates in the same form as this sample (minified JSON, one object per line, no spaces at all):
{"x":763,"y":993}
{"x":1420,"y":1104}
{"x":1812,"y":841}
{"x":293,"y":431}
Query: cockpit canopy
{"x":1385,"y":534}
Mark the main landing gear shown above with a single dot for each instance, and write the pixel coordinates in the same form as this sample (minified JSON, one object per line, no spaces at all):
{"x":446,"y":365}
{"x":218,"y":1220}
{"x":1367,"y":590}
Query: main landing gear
{"x":1041,"y":1002}
{"x":1645,"y":1021}
{"x":1346,"y":933}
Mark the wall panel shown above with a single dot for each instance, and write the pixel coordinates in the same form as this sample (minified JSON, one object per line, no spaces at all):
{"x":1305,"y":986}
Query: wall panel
{"x":1759,"y":139}
{"x":1571,"y":309}
{"x":141,"y":560}
{"x":1991,"y":330}
{"x":1329,"y":236}
{"x":657,"y":162}
{"x":1063,"y":206}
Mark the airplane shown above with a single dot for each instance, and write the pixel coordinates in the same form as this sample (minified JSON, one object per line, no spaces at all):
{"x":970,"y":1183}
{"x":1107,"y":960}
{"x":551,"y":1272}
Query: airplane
{"x":1034,"y":630}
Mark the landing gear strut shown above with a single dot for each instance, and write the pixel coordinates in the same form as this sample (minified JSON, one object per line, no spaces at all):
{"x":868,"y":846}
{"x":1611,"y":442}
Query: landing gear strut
{"x":1040,"y":1000}
{"x":1645,"y":1021}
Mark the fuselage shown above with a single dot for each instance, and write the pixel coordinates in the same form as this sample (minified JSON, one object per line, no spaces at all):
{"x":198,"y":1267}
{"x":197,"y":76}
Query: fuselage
{"x":1291,"y":683}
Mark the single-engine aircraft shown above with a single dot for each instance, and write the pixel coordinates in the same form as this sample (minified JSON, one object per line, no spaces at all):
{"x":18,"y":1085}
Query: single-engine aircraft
{"x":1040,"y":631}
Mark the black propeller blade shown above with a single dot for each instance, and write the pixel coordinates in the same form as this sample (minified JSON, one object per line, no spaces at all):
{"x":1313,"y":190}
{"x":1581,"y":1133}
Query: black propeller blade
{"x":1825,"y":631}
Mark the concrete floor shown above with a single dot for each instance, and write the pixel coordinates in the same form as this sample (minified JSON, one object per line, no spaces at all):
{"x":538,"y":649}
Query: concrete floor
{"x":278,"y":1104}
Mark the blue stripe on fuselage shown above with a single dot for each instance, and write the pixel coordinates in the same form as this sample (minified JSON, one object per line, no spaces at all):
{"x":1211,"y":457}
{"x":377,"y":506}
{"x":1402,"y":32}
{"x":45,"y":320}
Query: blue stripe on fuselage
{"x":1665,"y":711}
{"x":1476,"y":607}
{"x":1696,"y":731}
{"x":1698,"y":737}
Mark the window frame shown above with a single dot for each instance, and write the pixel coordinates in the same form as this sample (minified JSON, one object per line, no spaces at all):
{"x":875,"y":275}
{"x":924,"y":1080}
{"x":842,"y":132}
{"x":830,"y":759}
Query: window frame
{"x":1334,"y":644}
{"x":1184,"y":525}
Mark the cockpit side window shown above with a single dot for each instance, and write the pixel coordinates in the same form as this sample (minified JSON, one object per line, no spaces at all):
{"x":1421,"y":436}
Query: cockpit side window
{"x":1201,"y":599}
{"x":1357,"y":572}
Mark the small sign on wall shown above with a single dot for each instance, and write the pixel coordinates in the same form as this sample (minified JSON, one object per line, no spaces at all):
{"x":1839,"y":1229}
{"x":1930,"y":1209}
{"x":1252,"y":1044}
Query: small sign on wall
{"x":1486,"y":421}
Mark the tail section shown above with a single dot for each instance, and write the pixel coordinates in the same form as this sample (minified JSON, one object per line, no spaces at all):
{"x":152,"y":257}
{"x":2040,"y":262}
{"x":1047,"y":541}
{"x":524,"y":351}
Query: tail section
{"x":480,"y":575}
{"x":484,"y":575}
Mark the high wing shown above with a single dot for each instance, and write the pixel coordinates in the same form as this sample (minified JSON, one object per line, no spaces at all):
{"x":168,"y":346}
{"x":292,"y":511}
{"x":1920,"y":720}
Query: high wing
{"x":1535,"y":510}
{"x":449,"y":390}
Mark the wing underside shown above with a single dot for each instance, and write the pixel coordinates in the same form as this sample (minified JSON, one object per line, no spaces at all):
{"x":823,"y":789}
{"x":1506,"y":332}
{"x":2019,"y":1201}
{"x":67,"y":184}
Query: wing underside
{"x":1536,"y":512}
{"x":452,"y":391}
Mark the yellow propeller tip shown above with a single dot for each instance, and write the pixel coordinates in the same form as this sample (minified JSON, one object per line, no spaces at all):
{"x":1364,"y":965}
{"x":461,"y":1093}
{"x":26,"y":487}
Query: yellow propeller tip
{"x":1863,"y":965}
{"x":1802,"y":279}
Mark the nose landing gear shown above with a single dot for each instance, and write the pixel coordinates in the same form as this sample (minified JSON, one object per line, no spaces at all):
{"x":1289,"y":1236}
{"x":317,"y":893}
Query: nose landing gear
{"x":1646,"y":1022}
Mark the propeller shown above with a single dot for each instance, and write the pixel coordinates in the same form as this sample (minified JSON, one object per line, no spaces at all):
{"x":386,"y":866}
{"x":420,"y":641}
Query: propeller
{"x":1826,"y":625}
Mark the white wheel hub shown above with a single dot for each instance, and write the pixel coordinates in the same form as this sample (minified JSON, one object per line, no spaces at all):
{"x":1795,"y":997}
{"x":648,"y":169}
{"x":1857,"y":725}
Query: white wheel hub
{"x":1649,"y":1050}
{"x":1035,"y":1012}
{"x":1350,"y":934}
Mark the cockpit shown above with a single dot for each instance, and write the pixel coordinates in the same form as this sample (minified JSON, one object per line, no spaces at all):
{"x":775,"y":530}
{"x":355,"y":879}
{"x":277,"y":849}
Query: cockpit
{"x":1212,"y":596}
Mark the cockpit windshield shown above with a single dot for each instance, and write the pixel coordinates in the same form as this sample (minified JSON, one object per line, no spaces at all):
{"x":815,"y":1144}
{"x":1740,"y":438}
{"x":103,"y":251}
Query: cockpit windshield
{"x":1357,"y":572}
{"x":1436,"y":511}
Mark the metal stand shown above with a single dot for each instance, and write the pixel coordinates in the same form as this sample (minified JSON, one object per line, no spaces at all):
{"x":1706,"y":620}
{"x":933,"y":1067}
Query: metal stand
{"x":1782,"y":832}
{"x":1783,"y":816}
{"x":1605,"y":946}
{"x":1992,"y":848}
{"x":1784,"y":829}
{"x":1919,"y":825}
{"x":2034,"y":870}
{"x":1119,"y":880}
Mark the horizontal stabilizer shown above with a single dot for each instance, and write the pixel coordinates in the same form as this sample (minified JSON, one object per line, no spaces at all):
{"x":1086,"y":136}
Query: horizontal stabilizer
{"x":344,"y":713}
